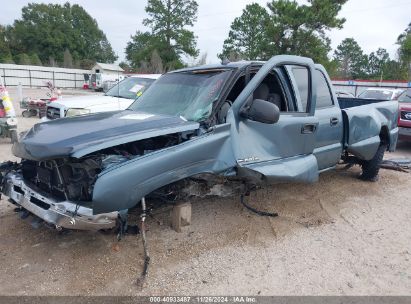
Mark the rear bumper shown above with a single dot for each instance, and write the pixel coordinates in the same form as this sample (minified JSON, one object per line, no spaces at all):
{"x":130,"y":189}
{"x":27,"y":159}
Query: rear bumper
{"x":58,"y":214}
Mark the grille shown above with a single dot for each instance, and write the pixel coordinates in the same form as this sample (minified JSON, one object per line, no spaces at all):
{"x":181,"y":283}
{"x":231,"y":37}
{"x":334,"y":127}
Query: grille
{"x":406,"y":115}
{"x":53,"y":113}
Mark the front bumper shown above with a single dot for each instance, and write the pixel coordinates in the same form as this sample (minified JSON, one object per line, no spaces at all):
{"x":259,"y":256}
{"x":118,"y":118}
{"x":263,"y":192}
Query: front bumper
{"x":58,"y":214}
{"x":405,"y":133}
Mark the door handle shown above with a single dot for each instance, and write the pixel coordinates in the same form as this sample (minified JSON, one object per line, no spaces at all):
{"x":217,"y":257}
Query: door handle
{"x":308,"y":128}
{"x":334,"y":121}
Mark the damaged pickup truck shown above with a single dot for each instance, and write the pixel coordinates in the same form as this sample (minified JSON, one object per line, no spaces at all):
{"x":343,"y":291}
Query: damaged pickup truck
{"x":196,"y":132}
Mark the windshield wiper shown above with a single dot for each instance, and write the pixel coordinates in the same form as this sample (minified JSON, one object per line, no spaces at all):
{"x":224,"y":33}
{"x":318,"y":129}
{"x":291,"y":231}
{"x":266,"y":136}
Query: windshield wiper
{"x":118,"y":96}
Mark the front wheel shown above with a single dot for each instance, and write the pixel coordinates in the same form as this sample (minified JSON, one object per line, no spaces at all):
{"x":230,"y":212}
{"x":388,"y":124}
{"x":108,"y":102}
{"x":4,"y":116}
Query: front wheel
{"x":370,"y":168}
{"x":13,"y":136}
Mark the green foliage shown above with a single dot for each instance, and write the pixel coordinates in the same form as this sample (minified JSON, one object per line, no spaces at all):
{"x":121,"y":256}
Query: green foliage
{"x":35,"y":60}
{"x":247,"y":37}
{"x":351,"y":59}
{"x":5,"y":54}
{"x":49,"y":29}
{"x":377,"y":63}
{"x":169,"y":36}
{"x":67,"y":59}
{"x":87,"y":64}
{"x":285,"y":28}
{"x":126,"y":67}
{"x":23,"y":59}
{"x":404,"y":52}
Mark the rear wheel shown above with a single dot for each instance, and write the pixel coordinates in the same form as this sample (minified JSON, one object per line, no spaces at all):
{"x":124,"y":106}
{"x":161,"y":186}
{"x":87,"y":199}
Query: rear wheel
{"x":13,"y":136}
{"x":370,"y":168}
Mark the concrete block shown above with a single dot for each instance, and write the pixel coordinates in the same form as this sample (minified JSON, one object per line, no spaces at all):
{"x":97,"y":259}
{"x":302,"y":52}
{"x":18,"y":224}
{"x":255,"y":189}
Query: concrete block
{"x":181,"y":216}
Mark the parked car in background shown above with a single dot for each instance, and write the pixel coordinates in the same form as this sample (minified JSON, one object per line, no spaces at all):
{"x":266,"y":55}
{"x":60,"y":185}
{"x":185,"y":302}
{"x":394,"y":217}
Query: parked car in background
{"x":404,"y":117}
{"x":119,"y":97}
{"x":98,"y":80}
{"x":381,"y":94}
{"x":341,"y":93}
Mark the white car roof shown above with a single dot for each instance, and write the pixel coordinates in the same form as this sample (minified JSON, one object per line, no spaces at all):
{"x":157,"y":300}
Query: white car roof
{"x":384,"y":89}
{"x":149,"y":76}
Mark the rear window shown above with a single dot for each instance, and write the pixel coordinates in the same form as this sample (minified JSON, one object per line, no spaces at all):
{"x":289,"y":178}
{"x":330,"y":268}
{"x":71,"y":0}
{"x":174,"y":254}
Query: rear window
{"x":130,"y":88}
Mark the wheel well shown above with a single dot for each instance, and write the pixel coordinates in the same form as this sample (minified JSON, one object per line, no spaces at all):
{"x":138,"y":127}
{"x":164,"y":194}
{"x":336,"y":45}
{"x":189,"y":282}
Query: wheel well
{"x":385,"y":136}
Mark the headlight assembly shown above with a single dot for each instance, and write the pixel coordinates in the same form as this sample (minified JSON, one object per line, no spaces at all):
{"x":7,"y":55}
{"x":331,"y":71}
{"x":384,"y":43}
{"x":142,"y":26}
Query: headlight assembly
{"x":12,"y":121}
{"x":76,"y":112}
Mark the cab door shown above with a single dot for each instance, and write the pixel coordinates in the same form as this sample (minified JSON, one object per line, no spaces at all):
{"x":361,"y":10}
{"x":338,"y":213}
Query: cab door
{"x":328,"y":142}
{"x":282,"y":151}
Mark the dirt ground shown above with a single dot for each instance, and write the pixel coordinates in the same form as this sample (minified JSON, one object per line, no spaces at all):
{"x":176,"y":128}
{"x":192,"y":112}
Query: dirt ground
{"x":340,"y":236}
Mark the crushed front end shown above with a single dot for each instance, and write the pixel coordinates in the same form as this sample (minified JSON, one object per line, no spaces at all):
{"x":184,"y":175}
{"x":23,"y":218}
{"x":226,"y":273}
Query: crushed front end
{"x":39,"y":189}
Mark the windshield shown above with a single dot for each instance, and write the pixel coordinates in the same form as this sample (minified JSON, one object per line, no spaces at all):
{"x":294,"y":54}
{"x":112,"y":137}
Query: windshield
{"x":376,"y":94}
{"x":186,"y":94}
{"x":405,"y":96}
{"x":130,"y":88}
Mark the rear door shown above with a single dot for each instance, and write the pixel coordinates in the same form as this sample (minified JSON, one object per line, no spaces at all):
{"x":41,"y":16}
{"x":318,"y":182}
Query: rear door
{"x":328,"y":140}
{"x":280,"y":151}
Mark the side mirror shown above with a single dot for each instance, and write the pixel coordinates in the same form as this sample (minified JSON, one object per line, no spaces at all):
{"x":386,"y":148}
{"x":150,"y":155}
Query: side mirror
{"x":262,"y":111}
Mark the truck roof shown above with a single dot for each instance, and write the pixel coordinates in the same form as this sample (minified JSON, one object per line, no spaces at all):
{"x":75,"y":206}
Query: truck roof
{"x":232,"y":65}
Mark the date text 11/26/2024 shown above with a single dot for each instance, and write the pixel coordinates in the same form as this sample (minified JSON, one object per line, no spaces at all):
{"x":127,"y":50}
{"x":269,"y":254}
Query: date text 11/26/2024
{"x":206,"y":299}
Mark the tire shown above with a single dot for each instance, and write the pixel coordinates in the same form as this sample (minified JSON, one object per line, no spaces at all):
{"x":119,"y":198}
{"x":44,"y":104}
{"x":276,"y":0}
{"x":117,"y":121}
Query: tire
{"x":26,"y":114}
{"x":13,"y":136}
{"x":370,"y":168}
{"x":33,"y":113}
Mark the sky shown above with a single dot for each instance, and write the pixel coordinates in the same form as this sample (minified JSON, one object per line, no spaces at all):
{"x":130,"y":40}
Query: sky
{"x":373,"y":23}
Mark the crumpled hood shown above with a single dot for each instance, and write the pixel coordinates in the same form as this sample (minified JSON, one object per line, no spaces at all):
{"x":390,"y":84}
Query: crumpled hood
{"x":82,"y":135}
{"x":81,"y":102}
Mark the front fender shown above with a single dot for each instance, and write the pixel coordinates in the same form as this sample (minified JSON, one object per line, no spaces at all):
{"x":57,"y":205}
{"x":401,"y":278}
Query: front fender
{"x":123,"y":186}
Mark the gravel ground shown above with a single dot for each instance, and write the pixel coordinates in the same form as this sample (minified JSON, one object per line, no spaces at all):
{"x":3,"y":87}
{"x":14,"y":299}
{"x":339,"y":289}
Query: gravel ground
{"x":340,"y":236}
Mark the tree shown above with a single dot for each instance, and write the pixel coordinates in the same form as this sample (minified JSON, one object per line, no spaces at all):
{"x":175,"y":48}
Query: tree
{"x":49,"y":29}
{"x":141,"y":47}
{"x":377,"y":63}
{"x":126,"y":67}
{"x":404,"y":52}
{"x":168,"y":21}
{"x":35,"y":60}
{"x":351,"y":59}
{"x":5,"y":54}
{"x":156,"y":63}
{"x":23,"y":59}
{"x":247,"y":37}
{"x":202,"y":60}
{"x":87,"y":64}
{"x":284,"y":28}
{"x":67,"y":59}
{"x":52,"y":62}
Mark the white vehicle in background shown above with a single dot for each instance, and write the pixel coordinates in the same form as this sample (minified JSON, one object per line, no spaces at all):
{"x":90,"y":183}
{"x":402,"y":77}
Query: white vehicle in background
{"x":99,"y":79}
{"x":119,"y":97}
{"x":381,"y":94}
{"x":341,"y":93}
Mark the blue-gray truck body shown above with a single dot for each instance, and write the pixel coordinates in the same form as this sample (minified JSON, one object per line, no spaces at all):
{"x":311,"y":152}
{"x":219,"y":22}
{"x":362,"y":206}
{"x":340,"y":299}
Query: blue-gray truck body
{"x":80,"y":172}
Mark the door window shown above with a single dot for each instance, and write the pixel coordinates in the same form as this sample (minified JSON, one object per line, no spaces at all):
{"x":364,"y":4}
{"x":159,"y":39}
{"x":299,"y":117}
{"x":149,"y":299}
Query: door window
{"x":324,"y":96}
{"x":301,"y":77}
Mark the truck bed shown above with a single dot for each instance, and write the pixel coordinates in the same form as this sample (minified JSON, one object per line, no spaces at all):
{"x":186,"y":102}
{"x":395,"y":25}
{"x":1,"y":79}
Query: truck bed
{"x":365,"y":122}
{"x":347,"y":102}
